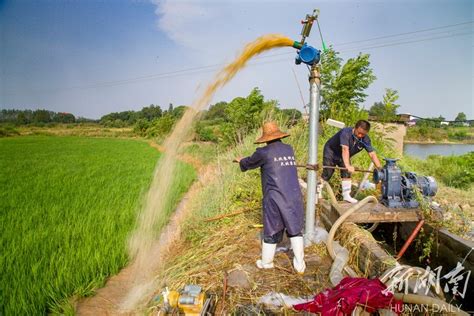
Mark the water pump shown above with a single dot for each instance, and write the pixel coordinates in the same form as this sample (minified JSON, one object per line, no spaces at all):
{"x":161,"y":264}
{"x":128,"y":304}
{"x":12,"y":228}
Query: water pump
{"x":398,"y":189}
{"x":307,"y":54}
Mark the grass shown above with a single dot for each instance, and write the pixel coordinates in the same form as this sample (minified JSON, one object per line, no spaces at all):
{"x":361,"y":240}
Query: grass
{"x":67,"y":205}
{"x":455,"y":179}
{"x":460,"y":175}
{"x":60,"y":129}
{"x":427,"y":134}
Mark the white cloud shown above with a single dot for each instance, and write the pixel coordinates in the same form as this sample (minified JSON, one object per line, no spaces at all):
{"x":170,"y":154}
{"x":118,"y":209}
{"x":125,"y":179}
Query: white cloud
{"x":183,"y":21}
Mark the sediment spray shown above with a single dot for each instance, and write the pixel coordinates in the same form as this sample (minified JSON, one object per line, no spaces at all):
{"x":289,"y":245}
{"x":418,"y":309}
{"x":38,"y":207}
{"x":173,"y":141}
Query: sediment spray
{"x":146,"y":262}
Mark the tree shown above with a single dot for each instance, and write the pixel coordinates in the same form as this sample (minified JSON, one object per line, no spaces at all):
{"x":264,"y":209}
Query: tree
{"x":41,"y":116}
{"x":64,"y":118}
{"x":216,"y":111}
{"x":378,"y":109}
{"x":151,"y":112}
{"x":178,"y":112}
{"x":162,"y":126}
{"x":141,"y":126}
{"x":386,"y":111}
{"x":461,"y":117}
{"x":21,"y":119}
{"x":431,"y":122}
{"x":343,"y":86}
{"x":123,"y":118}
{"x":246,"y":114}
{"x":290,"y":116}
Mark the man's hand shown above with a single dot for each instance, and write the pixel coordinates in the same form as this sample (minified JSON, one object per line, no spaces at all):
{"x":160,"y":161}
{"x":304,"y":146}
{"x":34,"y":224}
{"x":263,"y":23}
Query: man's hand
{"x":351,"y":169}
{"x":237,"y":160}
{"x":375,"y":159}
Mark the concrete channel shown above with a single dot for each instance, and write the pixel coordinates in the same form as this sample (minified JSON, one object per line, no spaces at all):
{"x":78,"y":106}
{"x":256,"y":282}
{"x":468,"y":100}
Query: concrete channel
{"x":370,"y":256}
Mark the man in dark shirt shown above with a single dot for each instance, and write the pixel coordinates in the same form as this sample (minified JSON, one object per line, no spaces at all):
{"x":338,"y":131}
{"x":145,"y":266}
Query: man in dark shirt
{"x":282,"y":198}
{"x":343,"y":145}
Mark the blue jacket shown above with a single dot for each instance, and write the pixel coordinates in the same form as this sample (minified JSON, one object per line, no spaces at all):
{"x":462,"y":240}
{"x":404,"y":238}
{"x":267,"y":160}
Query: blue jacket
{"x":333,"y":150}
{"x":282,"y":198}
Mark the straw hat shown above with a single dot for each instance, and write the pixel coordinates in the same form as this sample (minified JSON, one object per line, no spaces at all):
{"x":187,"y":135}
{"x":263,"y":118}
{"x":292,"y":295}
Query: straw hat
{"x":270,"y":131}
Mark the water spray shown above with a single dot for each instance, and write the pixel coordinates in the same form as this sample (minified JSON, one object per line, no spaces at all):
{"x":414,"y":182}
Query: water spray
{"x":310,"y":56}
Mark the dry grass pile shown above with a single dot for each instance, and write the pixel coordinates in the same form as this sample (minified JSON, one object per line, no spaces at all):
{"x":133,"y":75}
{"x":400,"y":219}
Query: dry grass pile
{"x":224,"y":262}
{"x":351,"y":236}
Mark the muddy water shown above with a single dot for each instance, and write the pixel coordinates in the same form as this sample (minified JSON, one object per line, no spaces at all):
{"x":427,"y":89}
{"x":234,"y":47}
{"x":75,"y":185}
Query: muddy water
{"x":143,"y":238}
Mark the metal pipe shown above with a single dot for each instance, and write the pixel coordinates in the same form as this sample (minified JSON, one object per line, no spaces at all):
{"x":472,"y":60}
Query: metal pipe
{"x":311,"y":200}
{"x":341,"y":168}
{"x":316,"y":167}
{"x":410,"y":239}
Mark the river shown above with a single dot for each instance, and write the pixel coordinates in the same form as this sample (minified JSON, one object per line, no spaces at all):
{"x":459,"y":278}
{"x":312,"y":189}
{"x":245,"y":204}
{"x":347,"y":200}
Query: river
{"x":422,"y":151}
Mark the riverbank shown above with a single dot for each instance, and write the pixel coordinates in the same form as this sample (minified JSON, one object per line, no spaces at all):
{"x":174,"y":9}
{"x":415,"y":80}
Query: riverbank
{"x":444,"y":134}
{"x":442,"y":142}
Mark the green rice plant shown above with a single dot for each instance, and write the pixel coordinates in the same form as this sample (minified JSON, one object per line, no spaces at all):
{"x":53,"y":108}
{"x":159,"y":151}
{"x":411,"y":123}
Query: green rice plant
{"x":67,"y":206}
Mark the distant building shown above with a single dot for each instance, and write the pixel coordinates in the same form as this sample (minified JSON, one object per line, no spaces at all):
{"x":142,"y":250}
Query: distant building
{"x":374,"y":118}
{"x":406,"y":117}
{"x":411,"y":123}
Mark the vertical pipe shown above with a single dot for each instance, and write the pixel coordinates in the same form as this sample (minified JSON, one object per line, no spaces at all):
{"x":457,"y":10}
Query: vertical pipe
{"x":311,"y":200}
{"x":410,"y":239}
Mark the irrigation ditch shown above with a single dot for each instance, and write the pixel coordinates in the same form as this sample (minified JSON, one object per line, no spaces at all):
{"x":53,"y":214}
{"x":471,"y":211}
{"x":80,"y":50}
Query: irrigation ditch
{"x":374,"y":253}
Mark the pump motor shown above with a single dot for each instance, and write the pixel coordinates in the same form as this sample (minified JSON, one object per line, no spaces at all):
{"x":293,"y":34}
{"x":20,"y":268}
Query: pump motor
{"x":398,"y":188}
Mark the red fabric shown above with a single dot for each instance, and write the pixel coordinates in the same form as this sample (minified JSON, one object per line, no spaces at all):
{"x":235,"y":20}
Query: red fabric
{"x":350,"y":292}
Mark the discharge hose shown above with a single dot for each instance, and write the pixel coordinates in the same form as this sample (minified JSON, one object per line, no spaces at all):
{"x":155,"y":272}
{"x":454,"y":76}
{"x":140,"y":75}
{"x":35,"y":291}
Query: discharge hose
{"x":342,"y":218}
{"x":331,"y":193}
{"x":339,"y":254}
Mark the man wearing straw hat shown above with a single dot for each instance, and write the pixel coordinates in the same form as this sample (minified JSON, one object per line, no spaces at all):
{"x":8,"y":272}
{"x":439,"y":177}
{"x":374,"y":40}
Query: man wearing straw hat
{"x":282,"y":198}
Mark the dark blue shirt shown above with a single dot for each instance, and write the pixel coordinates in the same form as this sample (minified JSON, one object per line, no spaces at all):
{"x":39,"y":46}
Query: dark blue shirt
{"x":282,"y":198}
{"x":346,"y":137}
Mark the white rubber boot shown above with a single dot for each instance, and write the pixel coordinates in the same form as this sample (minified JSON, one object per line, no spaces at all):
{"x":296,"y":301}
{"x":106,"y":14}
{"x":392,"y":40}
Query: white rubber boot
{"x":298,"y":250}
{"x":268,"y":252}
{"x":346,"y":191}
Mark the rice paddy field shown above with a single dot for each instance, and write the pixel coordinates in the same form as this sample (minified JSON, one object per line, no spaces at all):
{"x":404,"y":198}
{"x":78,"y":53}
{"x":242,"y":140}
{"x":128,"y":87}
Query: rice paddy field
{"x":67,"y":206}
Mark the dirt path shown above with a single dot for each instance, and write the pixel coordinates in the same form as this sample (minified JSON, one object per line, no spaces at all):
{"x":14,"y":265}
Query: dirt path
{"x":108,"y":299}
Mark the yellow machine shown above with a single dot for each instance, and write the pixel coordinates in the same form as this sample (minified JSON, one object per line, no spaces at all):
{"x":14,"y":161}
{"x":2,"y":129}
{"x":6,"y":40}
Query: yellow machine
{"x":191,"y":301}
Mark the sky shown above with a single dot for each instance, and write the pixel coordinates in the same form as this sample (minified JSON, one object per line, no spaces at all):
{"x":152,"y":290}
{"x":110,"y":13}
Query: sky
{"x":94,"y":57}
